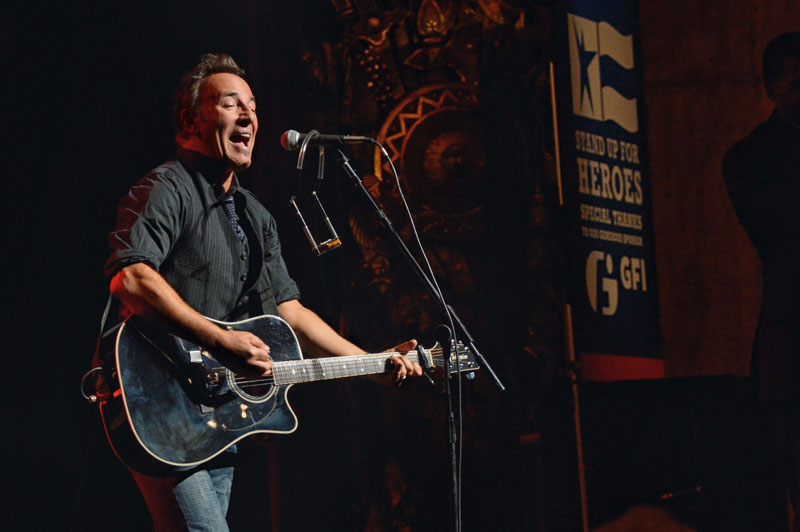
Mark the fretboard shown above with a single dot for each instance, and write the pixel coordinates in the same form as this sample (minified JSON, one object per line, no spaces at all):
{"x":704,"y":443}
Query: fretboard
{"x":319,"y":369}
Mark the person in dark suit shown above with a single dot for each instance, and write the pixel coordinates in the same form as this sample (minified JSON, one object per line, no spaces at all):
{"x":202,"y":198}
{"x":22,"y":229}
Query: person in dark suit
{"x":762,"y":175}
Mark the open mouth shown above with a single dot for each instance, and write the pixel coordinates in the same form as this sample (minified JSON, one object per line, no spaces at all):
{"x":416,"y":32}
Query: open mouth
{"x":241,"y":138}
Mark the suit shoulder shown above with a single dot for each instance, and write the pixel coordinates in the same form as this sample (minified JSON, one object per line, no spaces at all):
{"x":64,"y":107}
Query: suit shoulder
{"x":752,"y":147}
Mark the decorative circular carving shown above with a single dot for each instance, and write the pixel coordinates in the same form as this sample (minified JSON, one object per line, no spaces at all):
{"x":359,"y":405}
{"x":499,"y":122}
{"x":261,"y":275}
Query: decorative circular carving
{"x":434,"y":139}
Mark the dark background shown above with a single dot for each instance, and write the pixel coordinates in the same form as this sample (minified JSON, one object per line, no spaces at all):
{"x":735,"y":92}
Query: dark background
{"x":92,"y":87}
{"x":86,"y":95}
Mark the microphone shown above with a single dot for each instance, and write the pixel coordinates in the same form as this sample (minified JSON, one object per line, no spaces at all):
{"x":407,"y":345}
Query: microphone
{"x":292,"y":140}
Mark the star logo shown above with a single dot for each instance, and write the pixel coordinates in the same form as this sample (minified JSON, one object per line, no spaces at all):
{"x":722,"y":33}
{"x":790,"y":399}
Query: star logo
{"x":589,"y":40}
{"x":585,"y":57}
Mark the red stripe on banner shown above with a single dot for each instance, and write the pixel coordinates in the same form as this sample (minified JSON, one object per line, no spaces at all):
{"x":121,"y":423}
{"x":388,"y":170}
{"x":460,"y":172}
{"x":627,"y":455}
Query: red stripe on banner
{"x":604,"y":368}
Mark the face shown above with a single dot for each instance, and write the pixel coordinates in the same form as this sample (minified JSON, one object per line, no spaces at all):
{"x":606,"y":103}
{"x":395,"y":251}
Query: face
{"x":785,"y":91}
{"x":225,"y":127}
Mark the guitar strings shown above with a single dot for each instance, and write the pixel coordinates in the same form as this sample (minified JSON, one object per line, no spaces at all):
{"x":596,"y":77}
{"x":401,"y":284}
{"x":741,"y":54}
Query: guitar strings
{"x":250,"y":382}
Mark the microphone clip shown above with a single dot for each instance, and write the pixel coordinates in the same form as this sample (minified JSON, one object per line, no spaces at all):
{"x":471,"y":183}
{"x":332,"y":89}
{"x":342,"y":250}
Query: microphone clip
{"x":302,"y":155}
{"x":322,"y":247}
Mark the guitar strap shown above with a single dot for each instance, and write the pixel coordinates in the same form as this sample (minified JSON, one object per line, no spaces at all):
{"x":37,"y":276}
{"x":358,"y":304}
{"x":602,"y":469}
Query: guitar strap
{"x":99,"y":374}
{"x":251,"y":309}
{"x":99,"y":358}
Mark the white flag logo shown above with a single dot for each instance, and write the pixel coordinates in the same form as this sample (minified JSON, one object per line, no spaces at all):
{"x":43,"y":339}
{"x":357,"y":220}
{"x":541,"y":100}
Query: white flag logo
{"x":588,"y":41}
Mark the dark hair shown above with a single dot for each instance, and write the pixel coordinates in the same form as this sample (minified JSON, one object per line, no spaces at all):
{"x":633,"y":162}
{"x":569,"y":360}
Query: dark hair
{"x":780,"y":48}
{"x":188,"y":94}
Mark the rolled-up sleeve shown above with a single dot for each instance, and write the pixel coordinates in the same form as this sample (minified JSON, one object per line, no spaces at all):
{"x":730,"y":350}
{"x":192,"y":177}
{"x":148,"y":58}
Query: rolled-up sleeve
{"x":149,"y":220}
{"x":283,"y":287}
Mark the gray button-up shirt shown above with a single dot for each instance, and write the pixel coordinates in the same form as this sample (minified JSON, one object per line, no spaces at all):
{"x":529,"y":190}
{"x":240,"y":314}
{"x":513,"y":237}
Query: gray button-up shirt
{"x":174,"y":221}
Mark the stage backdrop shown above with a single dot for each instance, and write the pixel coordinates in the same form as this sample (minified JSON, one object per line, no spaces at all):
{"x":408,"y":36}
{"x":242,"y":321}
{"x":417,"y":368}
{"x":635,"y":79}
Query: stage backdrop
{"x":606,"y":190}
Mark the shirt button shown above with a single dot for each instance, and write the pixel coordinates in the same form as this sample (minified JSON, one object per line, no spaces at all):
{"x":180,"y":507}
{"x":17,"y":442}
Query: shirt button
{"x":243,"y":256}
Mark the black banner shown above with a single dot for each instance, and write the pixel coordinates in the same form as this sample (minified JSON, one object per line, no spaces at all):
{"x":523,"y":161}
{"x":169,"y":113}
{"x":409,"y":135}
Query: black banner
{"x":607,"y":191}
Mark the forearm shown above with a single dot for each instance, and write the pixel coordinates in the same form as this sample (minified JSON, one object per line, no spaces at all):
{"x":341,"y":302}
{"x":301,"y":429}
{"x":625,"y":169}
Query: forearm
{"x":319,"y":339}
{"x":316,"y":337}
{"x":146,"y":293}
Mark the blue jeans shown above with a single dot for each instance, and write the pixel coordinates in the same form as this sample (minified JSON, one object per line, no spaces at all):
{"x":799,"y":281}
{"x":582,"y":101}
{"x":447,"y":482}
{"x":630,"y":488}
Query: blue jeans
{"x":196,"y":501}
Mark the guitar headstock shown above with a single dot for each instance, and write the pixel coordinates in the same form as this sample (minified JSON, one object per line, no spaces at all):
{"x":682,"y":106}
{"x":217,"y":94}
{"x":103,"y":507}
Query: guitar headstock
{"x":461,"y":359}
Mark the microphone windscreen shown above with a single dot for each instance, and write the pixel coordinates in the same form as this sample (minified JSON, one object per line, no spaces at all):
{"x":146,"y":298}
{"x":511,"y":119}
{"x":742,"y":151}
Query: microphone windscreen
{"x":289,"y":139}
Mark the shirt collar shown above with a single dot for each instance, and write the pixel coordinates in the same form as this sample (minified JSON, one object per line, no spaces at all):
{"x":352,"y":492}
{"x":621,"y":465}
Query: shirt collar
{"x":212,"y":170}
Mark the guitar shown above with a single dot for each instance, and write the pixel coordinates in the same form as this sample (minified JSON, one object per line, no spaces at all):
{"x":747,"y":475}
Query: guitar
{"x":171,"y":406}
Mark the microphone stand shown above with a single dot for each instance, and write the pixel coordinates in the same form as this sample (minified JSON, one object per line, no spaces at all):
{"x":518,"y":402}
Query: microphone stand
{"x":447,"y":309}
{"x":443,"y":333}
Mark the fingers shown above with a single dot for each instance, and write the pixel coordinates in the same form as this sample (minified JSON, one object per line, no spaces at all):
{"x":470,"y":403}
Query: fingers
{"x":259,"y":358}
{"x":253,"y":368}
{"x":267,"y":369}
{"x":404,"y":368}
{"x":405,"y":347}
{"x":254,"y":347}
{"x":251,"y":354}
{"x":254,"y":340}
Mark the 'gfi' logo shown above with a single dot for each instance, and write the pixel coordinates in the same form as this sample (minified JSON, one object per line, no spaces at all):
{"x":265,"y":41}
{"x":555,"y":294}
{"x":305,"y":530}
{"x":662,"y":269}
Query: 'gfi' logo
{"x":609,"y":285}
{"x":631,"y":272}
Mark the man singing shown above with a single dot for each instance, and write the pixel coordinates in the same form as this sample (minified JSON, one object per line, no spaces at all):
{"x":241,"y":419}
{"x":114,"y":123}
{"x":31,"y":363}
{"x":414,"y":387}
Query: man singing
{"x":191,"y":243}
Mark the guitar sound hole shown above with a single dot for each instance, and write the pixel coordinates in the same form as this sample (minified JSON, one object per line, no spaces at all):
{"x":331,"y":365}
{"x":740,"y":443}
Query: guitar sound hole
{"x":253,"y":389}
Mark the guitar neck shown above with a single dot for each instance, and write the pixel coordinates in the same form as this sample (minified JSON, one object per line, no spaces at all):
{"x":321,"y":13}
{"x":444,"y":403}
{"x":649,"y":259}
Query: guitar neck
{"x":320,"y":369}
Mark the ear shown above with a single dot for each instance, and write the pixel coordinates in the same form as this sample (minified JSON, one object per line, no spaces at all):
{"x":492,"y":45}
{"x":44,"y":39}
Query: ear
{"x":188,"y":121}
{"x":770,"y":90}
